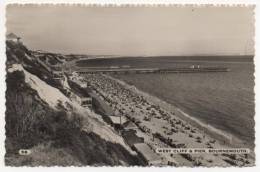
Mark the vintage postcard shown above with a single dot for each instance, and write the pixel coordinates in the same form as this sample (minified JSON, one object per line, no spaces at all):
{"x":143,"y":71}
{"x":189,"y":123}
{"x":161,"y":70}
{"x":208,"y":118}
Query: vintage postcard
{"x":91,"y":85}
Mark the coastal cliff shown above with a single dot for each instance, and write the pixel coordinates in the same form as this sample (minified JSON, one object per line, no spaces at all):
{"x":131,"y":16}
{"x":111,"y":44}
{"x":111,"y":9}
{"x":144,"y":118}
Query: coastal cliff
{"x":47,"y":114}
{"x":41,"y":118}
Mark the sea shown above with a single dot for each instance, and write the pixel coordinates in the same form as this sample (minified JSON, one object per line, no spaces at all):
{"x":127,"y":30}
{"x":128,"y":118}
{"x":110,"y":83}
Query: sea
{"x":224,"y":100}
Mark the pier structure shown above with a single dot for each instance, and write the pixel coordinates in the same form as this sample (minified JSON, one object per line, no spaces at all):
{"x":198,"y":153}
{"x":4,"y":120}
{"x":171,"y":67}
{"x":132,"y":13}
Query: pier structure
{"x":150,"y":70}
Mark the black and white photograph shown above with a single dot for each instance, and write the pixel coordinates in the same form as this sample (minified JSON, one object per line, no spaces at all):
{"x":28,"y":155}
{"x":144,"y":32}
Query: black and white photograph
{"x":146,"y":86}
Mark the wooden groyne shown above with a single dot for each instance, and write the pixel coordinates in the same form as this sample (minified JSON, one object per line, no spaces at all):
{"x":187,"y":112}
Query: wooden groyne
{"x":150,"y":70}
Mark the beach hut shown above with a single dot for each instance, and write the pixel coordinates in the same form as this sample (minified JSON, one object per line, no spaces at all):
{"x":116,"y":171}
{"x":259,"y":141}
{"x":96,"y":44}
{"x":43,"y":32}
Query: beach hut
{"x":117,"y":121}
{"x":148,"y":154}
{"x":86,"y":102}
{"x":131,"y":138}
{"x":83,"y":100}
{"x":129,"y":125}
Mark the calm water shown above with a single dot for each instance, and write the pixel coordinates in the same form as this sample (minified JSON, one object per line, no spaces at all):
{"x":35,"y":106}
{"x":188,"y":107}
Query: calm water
{"x":223,"y":100}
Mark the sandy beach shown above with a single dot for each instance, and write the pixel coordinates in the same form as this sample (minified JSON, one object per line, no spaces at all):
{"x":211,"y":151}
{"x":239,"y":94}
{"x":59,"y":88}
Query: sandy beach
{"x":225,"y":139}
{"x":162,"y":125}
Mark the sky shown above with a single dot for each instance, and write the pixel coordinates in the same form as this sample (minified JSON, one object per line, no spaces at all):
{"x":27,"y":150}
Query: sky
{"x":134,"y":31}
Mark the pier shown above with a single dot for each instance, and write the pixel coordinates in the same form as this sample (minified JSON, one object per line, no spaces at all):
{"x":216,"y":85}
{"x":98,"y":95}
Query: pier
{"x":150,"y":70}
